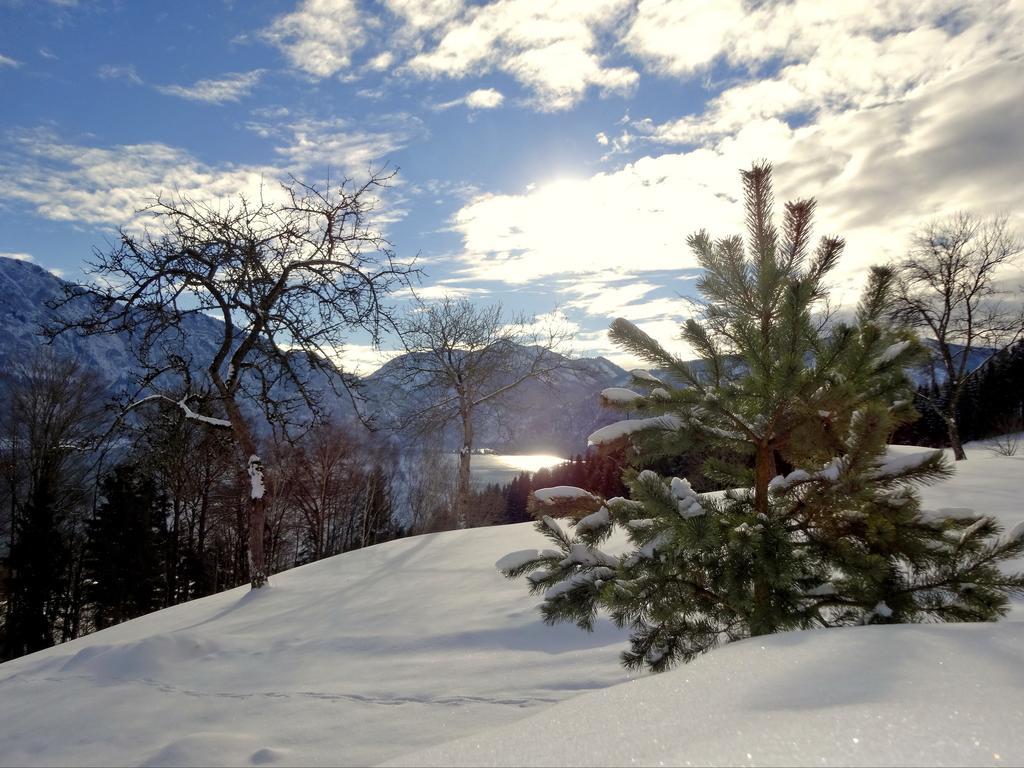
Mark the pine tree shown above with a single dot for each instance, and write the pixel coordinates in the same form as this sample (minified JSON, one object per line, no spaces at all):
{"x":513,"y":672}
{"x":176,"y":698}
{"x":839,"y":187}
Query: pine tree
{"x":124,"y":563}
{"x":823,"y":525}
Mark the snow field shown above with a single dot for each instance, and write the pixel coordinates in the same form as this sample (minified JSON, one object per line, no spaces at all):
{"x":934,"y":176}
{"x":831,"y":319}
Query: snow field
{"x":348,"y":661}
{"x":419,"y":652}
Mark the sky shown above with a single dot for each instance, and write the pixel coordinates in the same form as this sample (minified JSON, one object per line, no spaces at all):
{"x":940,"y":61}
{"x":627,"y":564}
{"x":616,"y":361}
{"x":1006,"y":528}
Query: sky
{"x":552,"y":155}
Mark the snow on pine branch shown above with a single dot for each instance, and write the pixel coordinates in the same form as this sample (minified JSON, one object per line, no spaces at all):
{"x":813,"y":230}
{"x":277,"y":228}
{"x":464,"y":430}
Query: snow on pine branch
{"x":621,"y":429}
{"x":620,"y":395}
{"x":513,"y":561}
{"x":891,"y":465}
{"x":594,"y":578}
{"x":558,"y":493}
{"x":641,"y":375}
{"x":594,"y":521}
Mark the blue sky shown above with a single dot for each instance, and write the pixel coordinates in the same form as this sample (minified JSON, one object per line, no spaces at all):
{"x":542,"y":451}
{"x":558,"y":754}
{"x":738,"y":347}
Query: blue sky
{"x":553,"y":154}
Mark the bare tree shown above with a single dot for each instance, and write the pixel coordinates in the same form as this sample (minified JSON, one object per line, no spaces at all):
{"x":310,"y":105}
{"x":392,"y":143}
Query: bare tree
{"x":463,"y":356}
{"x":948,"y":286}
{"x":288,"y":278}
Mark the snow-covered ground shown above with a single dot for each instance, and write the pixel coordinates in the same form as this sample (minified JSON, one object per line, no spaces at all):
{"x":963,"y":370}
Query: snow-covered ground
{"x":419,"y":652}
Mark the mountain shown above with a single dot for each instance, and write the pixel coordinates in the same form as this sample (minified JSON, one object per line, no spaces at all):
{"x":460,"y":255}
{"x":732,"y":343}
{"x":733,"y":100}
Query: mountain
{"x":550,"y":415}
{"x":553,"y":416}
{"x":419,"y":652}
{"x":24,"y":291}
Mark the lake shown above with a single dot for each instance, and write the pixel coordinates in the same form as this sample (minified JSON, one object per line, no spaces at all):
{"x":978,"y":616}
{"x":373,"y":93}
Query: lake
{"x":502,"y":468}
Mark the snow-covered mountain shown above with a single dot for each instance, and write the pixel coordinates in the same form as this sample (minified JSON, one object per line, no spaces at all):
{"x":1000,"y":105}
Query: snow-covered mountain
{"x":25,"y":290}
{"x":419,"y":652}
{"x":552,"y":417}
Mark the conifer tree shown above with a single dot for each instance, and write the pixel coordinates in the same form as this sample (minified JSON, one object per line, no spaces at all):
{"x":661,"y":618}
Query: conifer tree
{"x":124,"y":548}
{"x":837,"y":537}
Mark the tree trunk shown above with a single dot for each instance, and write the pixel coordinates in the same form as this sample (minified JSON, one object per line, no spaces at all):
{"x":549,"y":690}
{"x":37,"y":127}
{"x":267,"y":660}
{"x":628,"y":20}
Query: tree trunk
{"x":257,"y":551}
{"x":764,"y":471}
{"x":462,"y":499}
{"x":257,"y":496}
{"x":954,"y":438}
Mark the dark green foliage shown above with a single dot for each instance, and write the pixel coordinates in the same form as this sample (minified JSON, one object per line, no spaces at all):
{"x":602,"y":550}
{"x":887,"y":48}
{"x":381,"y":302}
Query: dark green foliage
{"x":824,"y":526}
{"x":125,"y":548}
{"x":991,"y":403}
{"x":40,"y":559}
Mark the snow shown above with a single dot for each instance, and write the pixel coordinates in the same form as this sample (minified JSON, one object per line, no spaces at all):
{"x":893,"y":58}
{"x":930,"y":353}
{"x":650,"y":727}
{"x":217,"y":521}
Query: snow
{"x":257,"y":488}
{"x":621,"y":429}
{"x":895,"y":462}
{"x":897,"y":459}
{"x":348,"y":661}
{"x":874,"y":695}
{"x":517,"y":559}
{"x":419,"y":652}
{"x":641,"y":375}
{"x":620,"y":395}
{"x":594,"y":521}
{"x":561,"y":493}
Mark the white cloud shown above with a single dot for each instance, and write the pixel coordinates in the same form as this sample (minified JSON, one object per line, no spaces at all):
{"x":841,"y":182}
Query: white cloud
{"x":67,"y":182}
{"x":340,"y":144}
{"x":679,"y":38}
{"x":105,"y":185}
{"x":877,"y":173}
{"x":7,"y":61}
{"x":320,"y":36}
{"x":422,"y":15}
{"x":381,"y":62}
{"x":16,"y":255}
{"x":116,"y":72}
{"x":609,"y":223}
{"x":364,"y":359}
{"x":439,"y":291}
{"x":231,"y":87}
{"x":551,"y":48}
{"x":482,"y":98}
{"x":834,"y":56}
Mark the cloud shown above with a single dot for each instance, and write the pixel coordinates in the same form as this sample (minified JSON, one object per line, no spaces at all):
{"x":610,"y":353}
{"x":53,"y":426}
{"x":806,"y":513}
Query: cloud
{"x":876,"y":171}
{"x":439,"y":290}
{"x":482,"y":98}
{"x":103,"y":186}
{"x":381,"y":62}
{"x":310,"y":144}
{"x":424,"y":15}
{"x":16,"y":255}
{"x":320,"y":36}
{"x":552,"y":49}
{"x":7,"y":61}
{"x":118,"y":72}
{"x":897,"y":47}
{"x":231,"y":87}
{"x":364,"y":359}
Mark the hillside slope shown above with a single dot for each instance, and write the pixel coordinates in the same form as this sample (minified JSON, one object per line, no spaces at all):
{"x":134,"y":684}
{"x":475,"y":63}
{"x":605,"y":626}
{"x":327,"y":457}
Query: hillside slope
{"x":382,"y":653}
